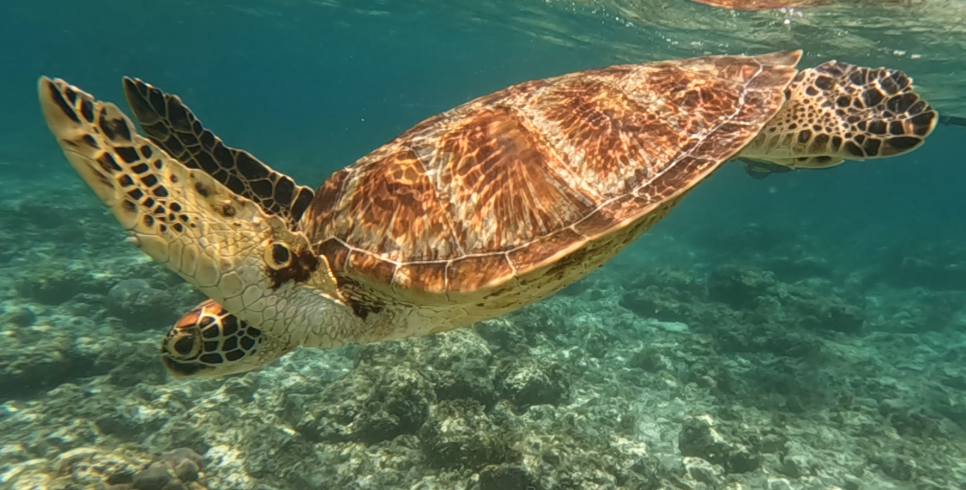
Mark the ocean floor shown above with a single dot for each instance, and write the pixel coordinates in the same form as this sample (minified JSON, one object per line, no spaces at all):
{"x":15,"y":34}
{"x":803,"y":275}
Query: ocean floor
{"x":761,"y":363}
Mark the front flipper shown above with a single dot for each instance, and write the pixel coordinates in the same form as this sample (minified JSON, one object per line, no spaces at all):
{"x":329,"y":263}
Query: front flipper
{"x":247,"y":260}
{"x":172,"y":126}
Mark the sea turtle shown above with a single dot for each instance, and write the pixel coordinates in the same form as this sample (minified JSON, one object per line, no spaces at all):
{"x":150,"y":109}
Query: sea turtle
{"x":762,"y":4}
{"x":470,"y":214}
{"x":799,"y":4}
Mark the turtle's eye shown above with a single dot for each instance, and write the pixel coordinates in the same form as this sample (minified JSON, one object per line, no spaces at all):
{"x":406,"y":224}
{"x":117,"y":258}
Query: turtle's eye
{"x":278,"y":256}
{"x":185,"y":345}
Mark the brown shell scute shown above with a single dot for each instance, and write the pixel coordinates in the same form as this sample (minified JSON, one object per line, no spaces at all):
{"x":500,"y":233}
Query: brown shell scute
{"x":500,"y":182}
{"x":390,"y":202}
{"x":527,"y":175}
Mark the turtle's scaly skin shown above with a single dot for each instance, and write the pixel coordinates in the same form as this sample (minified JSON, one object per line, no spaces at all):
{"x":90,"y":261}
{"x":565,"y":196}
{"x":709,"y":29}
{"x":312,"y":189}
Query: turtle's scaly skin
{"x":472,"y":213}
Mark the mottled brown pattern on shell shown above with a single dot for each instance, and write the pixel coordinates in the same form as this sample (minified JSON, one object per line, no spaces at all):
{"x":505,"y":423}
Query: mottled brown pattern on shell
{"x":540,"y":248}
{"x":335,"y":251}
{"x":378,"y":268}
{"x":462,"y":309}
{"x":498,"y":181}
{"x":421,"y":276}
{"x":392,"y":199}
{"x":540,"y":173}
{"x":478,"y":270}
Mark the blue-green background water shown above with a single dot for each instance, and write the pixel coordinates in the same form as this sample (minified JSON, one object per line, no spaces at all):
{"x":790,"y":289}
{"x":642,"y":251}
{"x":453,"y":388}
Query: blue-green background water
{"x":309,"y":87}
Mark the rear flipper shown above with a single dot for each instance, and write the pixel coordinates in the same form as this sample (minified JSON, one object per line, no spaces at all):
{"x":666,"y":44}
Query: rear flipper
{"x":839,"y":111}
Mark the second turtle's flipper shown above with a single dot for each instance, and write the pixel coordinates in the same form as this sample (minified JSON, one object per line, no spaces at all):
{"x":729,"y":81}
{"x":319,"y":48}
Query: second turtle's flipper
{"x":759,"y":170}
{"x":953,"y":120}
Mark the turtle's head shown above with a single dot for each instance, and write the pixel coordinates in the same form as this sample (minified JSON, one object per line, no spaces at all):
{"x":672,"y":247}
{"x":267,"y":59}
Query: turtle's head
{"x":208,"y":341}
{"x":228,"y":242}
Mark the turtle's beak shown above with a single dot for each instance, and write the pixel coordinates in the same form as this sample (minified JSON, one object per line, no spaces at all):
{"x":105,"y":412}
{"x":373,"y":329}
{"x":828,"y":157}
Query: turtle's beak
{"x":183,"y":369}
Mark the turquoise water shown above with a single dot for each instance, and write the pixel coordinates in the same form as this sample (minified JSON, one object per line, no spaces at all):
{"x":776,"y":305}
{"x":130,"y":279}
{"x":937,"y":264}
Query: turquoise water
{"x":815,"y":319}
